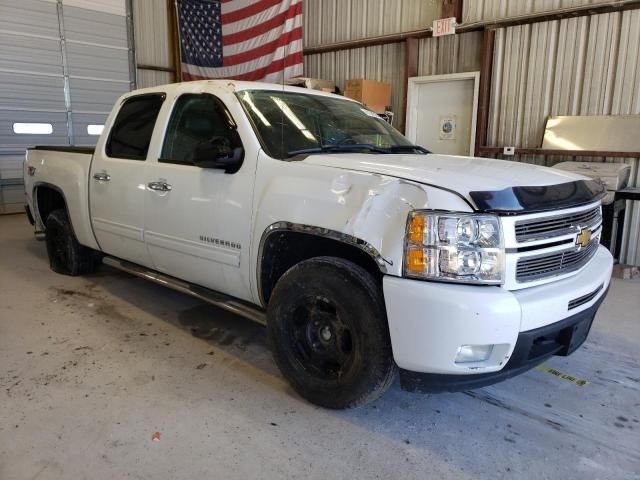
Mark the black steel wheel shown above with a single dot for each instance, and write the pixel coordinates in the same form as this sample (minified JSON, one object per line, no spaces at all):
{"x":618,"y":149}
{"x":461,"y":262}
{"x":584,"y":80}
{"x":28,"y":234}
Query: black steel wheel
{"x":328,"y":327}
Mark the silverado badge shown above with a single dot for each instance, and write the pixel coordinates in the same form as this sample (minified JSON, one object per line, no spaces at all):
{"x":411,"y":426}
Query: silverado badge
{"x":583,"y":237}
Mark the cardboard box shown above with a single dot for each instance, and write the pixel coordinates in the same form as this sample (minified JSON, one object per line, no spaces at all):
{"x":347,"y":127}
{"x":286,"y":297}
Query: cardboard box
{"x":374,"y":95}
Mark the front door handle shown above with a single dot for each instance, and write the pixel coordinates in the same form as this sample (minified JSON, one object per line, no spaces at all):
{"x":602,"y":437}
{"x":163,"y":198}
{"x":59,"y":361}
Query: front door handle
{"x":159,"y":186}
{"x":102,"y":177}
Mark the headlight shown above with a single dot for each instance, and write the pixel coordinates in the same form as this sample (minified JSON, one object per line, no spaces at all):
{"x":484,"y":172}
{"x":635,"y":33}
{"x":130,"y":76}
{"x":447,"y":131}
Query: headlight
{"x":457,"y":247}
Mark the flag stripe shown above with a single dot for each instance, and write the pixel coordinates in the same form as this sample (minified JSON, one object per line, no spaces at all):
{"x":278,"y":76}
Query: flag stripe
{"x":231,"y":60}
{"x":274,"y":22}
{"x":255,"y":75}
{"x":254,"y":64}
{"x":270,"y":36}
{"x":249,"y":10}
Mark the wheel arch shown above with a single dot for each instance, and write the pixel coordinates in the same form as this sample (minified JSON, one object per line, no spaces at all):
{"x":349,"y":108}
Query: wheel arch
{"x":285,"y":244}
{"x":47,"y":198}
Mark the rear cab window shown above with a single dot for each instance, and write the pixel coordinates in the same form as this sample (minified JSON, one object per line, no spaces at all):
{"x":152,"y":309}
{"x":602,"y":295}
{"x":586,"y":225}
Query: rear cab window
{"x":132,"y":129}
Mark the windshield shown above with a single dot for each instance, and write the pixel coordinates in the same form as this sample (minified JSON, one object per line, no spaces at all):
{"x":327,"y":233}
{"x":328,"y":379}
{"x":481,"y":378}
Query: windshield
{"x":292,"y":123}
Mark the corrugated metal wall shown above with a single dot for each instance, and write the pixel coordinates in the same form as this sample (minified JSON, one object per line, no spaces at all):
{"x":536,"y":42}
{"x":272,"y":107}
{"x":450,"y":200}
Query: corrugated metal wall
{"x":483,"y":10}
{"x":62,"y":63}
{"x":579,"y":66}
{"x":331,"y":21}
{"x":151,"y":27}
{"x":450,"y":54}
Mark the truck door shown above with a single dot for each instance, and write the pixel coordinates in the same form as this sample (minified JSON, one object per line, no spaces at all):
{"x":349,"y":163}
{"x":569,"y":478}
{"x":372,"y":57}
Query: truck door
{"x":117,"y":179}
{"x":198,"y":220}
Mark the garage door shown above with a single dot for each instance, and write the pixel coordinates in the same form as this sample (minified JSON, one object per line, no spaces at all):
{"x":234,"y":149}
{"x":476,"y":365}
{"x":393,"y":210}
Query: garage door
{"x":62,"y":65}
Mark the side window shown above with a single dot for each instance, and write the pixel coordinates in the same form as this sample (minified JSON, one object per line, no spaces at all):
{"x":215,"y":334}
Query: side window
{"x":131,"y":132}
{"x":196,"y":119}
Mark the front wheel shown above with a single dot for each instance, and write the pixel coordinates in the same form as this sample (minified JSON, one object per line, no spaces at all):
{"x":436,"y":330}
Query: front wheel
{"x":66,"y":255}
{"x":329,"y":331}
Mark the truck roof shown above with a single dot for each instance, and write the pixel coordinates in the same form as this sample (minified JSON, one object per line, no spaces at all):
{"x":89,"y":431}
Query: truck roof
{"x":229,"y":85}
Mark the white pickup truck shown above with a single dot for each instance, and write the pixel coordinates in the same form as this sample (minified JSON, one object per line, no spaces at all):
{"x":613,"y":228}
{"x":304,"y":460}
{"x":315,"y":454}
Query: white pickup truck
{"x":363,"y":254}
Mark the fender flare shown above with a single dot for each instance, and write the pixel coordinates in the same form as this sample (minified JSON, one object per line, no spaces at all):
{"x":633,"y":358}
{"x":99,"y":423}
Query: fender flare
{"x":283,"y":226}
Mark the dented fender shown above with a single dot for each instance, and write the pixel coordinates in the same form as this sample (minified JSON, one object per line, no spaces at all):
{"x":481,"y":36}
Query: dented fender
{"x":366,"y":209}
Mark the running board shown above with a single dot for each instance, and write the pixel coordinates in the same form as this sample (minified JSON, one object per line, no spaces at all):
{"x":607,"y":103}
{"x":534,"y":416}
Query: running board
{"x":221,"y":300}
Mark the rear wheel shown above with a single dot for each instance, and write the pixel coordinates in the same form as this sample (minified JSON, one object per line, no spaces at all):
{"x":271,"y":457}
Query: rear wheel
{"x":66,"y":255}
{"x":328,"y":327}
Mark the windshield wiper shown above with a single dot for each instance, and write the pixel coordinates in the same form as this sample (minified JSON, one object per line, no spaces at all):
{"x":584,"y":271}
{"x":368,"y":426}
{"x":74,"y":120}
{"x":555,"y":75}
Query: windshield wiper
{"x":352,"y":147}
{"x":408,"y":148}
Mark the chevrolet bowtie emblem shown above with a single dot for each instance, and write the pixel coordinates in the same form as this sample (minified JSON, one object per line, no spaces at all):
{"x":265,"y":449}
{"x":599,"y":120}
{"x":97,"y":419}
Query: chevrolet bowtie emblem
{"x":583,"y":237}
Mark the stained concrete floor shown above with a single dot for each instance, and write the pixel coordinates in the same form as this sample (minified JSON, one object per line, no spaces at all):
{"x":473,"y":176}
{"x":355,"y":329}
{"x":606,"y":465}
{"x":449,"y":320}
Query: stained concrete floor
{"x":92,"y":367}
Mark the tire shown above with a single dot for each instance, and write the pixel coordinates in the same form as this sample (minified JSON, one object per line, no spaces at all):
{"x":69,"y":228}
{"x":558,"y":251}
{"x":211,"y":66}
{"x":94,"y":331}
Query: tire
{"x":66,"y":255}
{"x":328,"y":328}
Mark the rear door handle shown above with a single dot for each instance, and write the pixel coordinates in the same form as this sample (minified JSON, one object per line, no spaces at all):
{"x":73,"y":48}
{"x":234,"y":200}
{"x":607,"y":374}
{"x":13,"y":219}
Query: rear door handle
{"x":159,"y":186}
{"x":102,"y":177}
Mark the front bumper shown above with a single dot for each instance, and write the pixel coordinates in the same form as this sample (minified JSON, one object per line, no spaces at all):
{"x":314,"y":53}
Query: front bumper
{"x":430,"y":321}
{"x":532,"y":348}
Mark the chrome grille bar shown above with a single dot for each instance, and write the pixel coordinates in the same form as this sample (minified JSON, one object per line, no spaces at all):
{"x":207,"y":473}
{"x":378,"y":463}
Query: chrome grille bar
{"x":549,"y":227}
{"x":555,"y":263}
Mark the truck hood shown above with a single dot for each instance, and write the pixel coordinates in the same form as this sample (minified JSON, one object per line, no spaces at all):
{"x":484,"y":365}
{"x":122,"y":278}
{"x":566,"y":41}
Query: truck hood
{"x":487,"y":184}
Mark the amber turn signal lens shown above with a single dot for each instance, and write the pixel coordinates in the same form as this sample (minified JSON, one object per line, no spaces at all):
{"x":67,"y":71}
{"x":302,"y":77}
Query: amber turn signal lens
{"x":416,"y":229}
{"x":415,"y":260}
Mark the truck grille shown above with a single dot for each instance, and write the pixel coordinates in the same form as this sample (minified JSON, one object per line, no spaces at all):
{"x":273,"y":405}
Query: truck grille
{"x":538,"y":229}
{"x":554,"y":263}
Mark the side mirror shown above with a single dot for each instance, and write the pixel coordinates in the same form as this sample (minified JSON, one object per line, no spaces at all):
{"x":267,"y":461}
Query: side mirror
{"x":217,"y":153}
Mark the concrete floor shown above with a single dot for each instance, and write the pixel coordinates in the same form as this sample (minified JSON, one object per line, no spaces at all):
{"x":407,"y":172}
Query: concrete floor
{"x":92,"y":367}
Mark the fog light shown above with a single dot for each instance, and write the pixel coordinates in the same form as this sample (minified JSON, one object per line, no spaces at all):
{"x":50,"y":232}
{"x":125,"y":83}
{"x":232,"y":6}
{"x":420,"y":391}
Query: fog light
{"x":473,"y":353}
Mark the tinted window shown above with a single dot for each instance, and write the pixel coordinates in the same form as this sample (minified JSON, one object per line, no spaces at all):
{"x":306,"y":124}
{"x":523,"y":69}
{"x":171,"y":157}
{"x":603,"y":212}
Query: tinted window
{"x":131,"y":132}
{"x":196,"y":119}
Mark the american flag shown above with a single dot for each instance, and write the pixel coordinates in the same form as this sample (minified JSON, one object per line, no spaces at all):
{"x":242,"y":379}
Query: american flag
{"x":240,"y":39}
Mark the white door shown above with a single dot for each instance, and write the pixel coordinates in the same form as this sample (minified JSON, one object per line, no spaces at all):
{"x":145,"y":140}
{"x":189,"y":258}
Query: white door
{"x":117,"y":183}
{"x":441,"y":112}
{"x":198,"y":220}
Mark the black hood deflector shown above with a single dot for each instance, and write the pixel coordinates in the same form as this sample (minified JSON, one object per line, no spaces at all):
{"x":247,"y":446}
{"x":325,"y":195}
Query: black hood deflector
{"x":519,"y":200}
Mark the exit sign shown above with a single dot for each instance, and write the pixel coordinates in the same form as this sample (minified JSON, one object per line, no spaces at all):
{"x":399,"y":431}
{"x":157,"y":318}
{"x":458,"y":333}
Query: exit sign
{"x":444,"y":26}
